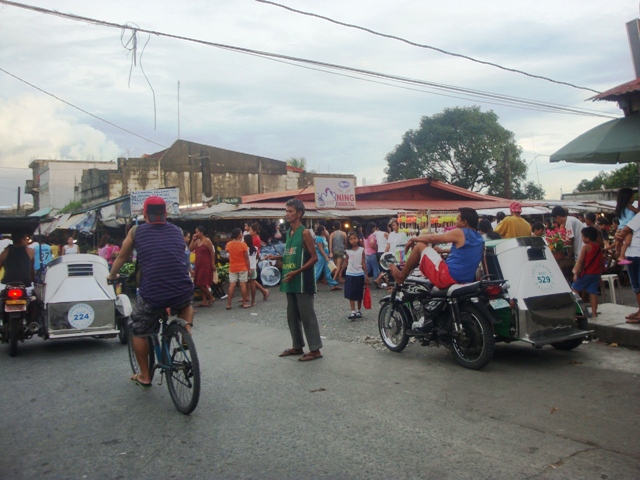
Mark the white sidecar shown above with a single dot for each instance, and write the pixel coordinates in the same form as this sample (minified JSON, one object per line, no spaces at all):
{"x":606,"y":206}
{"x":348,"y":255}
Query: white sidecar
{"x":541,"y":308}
{"x":75,"y":300}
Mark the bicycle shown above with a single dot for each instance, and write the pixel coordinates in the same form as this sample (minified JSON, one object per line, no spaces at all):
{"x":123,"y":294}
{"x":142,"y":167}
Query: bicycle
{"x":177,"y":361}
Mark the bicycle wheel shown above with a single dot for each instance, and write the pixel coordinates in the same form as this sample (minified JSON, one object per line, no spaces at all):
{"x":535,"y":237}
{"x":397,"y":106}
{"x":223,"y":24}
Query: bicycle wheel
{"x":134,"y":361}
{"x":183,"y":375}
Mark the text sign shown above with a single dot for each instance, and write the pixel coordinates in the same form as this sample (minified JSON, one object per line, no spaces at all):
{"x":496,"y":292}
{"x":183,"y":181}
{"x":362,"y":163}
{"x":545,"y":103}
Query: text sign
{"x":170,"y":195}
{"x":333,"y":192}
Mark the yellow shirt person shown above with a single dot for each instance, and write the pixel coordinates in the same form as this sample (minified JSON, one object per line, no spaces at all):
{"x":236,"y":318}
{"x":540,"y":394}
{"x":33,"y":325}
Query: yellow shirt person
{"x":514,"y":226}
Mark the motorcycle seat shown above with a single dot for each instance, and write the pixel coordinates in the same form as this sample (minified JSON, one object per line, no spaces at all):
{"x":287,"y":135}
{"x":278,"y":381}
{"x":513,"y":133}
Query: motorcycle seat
{"x":461,"y":289}
{"x":436,"y":292}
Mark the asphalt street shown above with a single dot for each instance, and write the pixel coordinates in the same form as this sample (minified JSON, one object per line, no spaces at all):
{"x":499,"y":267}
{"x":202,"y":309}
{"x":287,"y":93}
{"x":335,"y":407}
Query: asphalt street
{"x":69,"y":410}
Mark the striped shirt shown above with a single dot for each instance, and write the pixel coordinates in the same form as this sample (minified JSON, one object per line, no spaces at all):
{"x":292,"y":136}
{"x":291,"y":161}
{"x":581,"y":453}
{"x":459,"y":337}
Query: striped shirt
{"x":164,"y":281}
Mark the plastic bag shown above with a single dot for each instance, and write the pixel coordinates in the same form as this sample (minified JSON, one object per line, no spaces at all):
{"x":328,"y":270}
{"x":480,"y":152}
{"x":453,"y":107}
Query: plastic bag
{"x":366,"y":299}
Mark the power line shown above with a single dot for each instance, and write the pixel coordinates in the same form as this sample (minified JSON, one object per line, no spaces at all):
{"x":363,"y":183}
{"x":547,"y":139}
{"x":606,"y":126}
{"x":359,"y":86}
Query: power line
{"x":430,"y":47}
{"x":510,"y":100}
{"x":80,"y":109}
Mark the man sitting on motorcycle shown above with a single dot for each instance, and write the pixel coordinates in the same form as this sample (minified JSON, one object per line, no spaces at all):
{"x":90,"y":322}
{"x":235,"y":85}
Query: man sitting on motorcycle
{"x":164,"y":282}
{"x":17,"y":261}
{"x":463,"y":260}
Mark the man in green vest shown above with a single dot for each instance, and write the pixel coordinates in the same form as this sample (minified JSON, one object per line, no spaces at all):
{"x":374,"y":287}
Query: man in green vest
{"x":299,"y":283}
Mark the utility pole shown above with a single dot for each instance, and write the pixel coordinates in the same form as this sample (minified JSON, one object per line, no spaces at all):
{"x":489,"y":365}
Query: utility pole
{"x":507,"y":173}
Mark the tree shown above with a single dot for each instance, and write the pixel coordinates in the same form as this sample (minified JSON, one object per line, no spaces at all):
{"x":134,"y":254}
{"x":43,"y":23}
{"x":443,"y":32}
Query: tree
{"x":462,"y":146}
{"x":297,"y":162}
{"x":626,"y":176}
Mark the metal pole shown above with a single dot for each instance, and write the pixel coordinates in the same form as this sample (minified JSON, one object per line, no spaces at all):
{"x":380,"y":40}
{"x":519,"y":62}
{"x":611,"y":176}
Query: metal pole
{"x":18,"y":206}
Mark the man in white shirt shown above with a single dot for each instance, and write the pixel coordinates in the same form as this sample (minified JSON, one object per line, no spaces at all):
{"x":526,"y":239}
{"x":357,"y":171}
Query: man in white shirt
{"x":572,"y":225}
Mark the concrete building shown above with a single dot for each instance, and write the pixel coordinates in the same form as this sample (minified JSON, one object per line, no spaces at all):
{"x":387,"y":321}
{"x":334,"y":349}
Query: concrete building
{"x":55,"y":183}
{"x":204,"y":174}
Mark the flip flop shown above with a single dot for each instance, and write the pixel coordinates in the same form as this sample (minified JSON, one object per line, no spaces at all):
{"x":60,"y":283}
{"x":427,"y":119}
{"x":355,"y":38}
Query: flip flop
{"x":228,"y":307}
{"x":246,"y":306}
{"x":624,"y":262}
{"x":307,"y":357}
{"x":292,"y":351}
{"x":139,"y":383}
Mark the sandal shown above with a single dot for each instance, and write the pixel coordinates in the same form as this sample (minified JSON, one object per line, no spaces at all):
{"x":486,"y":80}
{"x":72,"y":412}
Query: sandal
{"x":307,"y":357}
{"x":291,"y":351}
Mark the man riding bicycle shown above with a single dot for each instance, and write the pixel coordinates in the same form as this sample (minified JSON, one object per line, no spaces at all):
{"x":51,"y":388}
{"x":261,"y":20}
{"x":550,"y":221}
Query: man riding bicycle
{"x":164,"y":282}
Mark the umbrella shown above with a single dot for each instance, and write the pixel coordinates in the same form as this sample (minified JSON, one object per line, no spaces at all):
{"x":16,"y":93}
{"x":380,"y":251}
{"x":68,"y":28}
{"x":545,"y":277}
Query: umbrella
{"x":616,"y":141}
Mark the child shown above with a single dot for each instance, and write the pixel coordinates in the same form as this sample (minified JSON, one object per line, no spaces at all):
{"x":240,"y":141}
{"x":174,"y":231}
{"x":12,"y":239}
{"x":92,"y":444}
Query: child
{"x":355,"y":277}
{"x":538,"y":229}
{"x":625,"y":212}
{"x":239,"y":266}
{"x":588,"y":268}
{"x":253,"y":267}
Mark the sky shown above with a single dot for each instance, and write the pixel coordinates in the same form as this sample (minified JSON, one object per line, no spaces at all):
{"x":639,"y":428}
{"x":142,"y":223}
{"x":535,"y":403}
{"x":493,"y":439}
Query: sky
{"x":340,"y":122}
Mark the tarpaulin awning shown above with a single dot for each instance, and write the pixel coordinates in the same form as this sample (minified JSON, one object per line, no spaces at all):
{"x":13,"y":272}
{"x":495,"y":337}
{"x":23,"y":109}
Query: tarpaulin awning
{"x":43,"y":212}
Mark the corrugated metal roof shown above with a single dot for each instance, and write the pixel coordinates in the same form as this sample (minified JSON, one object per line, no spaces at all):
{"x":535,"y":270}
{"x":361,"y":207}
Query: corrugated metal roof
{"x":619,"y":91}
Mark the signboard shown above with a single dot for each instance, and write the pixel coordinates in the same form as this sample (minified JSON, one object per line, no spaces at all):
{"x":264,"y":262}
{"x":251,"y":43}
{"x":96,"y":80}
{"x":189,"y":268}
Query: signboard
{"x":335,"y":192}
{"x":170,"y":195}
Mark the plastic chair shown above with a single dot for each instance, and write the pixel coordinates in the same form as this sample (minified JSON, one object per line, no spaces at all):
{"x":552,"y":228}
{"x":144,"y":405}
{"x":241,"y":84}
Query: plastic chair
{"x":612,"y":280}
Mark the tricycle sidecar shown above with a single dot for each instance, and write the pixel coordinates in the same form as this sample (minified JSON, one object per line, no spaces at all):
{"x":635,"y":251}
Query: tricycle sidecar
{"x":75,"y":300}
{"x":540,"y":309}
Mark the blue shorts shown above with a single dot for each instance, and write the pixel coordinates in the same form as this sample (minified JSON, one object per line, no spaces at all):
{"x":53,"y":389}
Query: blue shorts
{"x":590,"y":283}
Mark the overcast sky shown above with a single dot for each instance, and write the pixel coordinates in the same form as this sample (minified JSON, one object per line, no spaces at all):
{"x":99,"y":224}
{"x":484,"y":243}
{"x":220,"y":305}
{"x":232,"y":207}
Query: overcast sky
{"x":338,"y":123}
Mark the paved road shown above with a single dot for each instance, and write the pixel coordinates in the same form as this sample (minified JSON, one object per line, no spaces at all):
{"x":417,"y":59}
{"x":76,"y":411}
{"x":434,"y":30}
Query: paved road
{"x":68,"y":409}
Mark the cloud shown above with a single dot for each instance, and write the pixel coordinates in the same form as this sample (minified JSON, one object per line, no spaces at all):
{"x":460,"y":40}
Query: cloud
{"x":32,"y":126}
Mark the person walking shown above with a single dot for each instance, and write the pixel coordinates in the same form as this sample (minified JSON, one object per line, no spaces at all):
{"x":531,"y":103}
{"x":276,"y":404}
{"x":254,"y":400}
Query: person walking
{"x":254,"y":231}
{"x":370,"y":250}
{"x":239,"y":267}
{"x":337,"y":245}
{"x":205,"y":265}
{"x":355,"y":277}
{"x":322,"y":251}
{"x":299,"y":284}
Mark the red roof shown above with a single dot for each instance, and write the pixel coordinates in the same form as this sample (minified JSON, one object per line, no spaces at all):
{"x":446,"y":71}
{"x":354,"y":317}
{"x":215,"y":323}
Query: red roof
{"x":621,"y":90}
{"x":414,"y":194}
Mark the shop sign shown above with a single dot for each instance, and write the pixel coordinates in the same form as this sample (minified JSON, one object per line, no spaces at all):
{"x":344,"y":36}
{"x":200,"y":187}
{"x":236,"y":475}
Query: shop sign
{"x":335,"y":192}
{"x":170,"y":195}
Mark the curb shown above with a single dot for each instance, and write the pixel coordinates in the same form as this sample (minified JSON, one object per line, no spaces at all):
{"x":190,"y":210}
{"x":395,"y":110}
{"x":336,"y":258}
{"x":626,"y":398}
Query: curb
{"x":610,"y":325}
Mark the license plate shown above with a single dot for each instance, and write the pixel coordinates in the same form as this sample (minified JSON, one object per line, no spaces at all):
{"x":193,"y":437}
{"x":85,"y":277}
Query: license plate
{"x":15,"y":308}
{"x":499,"y":303}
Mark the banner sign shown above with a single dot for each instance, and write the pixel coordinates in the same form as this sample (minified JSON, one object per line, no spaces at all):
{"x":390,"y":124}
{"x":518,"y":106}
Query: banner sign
{"x":334,"y":192}
{"x":171,"y":196}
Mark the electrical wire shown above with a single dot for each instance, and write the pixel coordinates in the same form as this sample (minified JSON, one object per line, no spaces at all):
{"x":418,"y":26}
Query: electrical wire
{"x":430,"y":47}
{"x":80,"y":109}
{"x":513,"y":101}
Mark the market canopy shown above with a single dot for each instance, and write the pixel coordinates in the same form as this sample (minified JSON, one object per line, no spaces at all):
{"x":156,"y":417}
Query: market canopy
{"x":615,"y":141}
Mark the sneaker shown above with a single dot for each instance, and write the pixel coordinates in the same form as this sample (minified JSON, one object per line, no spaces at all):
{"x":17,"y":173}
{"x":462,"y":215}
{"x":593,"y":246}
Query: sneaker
{"x":358,"y":314}
{"x":352,"y":316}
{"x":383,"y":285}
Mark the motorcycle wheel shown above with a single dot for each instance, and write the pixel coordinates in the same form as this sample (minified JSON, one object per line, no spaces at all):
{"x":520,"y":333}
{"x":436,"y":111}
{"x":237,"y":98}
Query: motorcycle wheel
{"x":123,"y":331}
{"x":14,"y":329}
{"x":132,"y":356}
{"x":475,"y":345}
{"x":393,"y":330}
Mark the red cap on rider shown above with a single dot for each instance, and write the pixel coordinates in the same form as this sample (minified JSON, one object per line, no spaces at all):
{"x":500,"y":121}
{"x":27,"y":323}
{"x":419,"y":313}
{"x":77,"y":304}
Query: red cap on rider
{"x":155,"y":210}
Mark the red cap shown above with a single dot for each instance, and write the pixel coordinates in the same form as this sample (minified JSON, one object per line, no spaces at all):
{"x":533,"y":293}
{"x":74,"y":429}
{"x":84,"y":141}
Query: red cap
{"x":515,"y":207}
{"x":155,"y":210}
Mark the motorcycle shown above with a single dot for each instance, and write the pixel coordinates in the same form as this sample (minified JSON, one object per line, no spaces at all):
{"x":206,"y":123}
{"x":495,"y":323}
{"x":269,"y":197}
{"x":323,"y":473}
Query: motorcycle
{"x":457,"y":318}
{"x":14,"y":321}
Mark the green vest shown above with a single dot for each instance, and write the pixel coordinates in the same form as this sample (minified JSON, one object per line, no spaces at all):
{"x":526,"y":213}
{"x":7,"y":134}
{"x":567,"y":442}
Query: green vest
{"x":295,"y":255}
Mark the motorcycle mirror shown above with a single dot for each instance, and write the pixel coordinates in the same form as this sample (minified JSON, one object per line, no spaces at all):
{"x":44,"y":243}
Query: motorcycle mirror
{"x":387,"y":259}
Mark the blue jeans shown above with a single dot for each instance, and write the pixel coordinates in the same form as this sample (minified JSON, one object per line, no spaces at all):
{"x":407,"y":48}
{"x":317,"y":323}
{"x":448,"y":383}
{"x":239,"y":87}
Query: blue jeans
{"x":372,"y":265}
{"x":323,"y":267}
{"x":634,"y":273}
